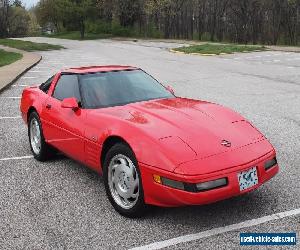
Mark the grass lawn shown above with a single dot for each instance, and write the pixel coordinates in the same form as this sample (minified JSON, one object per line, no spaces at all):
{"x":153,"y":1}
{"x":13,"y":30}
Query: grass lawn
{"x":217,"y":49}
{"x":8,"y":57}
{"x":29,"y":46}
{"x":75,"y":35}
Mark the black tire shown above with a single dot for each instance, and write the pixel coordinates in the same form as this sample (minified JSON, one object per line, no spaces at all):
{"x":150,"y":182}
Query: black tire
{"x":46,"y":151}
{"x":139,"y":207}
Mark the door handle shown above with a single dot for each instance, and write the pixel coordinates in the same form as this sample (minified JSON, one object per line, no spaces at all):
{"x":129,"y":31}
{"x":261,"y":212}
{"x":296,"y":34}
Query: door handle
{"x":48,"y":106}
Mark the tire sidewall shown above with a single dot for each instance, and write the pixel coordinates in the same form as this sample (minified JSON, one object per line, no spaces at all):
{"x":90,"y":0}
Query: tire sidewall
{"x":138,"y":209}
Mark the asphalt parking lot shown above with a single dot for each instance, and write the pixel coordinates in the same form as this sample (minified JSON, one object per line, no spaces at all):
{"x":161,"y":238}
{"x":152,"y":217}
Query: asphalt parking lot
{"x":61,"y":204}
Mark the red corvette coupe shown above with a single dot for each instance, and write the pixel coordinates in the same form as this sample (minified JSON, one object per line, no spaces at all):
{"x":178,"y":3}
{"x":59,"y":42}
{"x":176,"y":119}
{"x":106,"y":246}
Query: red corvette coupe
{"x":151,"y":146}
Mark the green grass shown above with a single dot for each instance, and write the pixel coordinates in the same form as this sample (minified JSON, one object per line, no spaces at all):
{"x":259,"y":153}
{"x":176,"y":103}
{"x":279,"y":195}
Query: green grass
{"x":75,"y":35}
{"x":29,"y":46}
{"x":8,"y":57}
{"x":217,"y":49}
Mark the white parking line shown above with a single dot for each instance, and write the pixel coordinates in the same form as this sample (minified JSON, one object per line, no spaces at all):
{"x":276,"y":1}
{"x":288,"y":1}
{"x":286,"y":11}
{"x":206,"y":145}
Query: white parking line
{"x":29,"y":77}
{"x":9,"y":117}
{"x":10,"y":97}
{"x":17,"y":158}
{"x":40,"y":67}
{"x":56,"y":63}
{"x":217,"y":231}
{"x":20,"y":85}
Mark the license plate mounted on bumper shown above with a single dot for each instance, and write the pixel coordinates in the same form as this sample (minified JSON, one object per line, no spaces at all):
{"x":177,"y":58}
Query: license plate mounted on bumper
{"x":248,"y":178}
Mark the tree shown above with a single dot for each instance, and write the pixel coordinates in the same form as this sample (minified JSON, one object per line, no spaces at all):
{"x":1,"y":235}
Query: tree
{"x":79,"y":11}
{"x":128,"y":11}
{"x":18,"y":20}
{"x":34,"y":27}
{"x":4,"y":6}
{"x":243,"y":21}
{"x":51,"y":11}
{"x":66,"y":13}
{"x":17,"y":3}
{"x":105,"y":10}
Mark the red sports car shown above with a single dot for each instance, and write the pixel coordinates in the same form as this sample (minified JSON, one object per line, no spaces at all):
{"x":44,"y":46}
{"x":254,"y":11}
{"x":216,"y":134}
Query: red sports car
{"x":151,"y":146}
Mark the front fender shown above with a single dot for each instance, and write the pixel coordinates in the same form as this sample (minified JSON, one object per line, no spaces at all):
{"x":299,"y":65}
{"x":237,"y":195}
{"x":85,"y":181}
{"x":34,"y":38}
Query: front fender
{"x":32,"y":97}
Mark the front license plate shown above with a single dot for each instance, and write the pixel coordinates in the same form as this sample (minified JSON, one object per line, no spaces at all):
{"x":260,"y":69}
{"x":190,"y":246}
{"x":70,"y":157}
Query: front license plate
{"x":248,"y":178}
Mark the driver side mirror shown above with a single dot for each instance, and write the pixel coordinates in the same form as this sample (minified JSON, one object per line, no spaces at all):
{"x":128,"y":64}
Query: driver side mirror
{"x":70,"y":103}
{"x":170,"y":89}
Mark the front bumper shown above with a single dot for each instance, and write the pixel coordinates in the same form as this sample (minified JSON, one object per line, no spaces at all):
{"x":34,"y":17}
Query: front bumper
{"x":160,"y":195}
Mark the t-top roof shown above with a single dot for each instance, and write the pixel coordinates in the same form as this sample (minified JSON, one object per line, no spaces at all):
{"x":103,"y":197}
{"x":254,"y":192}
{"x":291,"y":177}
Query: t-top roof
{"x":95,"y":69}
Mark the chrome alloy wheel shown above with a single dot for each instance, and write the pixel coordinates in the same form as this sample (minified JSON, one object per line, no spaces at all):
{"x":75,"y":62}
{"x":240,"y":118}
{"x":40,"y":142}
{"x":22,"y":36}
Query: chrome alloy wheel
{"x":123,"y":181}
{"x":35,"y":136}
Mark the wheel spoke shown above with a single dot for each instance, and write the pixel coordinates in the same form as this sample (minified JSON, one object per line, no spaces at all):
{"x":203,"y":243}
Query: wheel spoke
{"x":126,"y":201}
{"x":123,"y":162}
{"x":134,"y":195}
{"x":135,"y":183}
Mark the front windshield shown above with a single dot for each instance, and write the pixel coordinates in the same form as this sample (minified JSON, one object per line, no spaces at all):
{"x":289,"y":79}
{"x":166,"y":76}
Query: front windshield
{"x":109,"y":89}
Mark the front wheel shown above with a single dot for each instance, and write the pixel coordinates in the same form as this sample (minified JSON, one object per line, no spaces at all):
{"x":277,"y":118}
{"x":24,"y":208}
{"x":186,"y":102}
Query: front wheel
{"x":40,"y":149}
{"x":123,"y":182}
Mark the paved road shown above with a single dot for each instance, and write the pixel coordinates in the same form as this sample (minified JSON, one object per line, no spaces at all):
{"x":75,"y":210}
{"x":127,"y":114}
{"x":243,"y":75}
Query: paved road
{"x":9,"y":72}
{"x":62,"y":205}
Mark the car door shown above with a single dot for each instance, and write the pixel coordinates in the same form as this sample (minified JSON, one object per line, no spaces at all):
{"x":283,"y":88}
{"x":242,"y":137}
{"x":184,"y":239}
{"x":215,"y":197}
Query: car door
{"x":64,"y":127}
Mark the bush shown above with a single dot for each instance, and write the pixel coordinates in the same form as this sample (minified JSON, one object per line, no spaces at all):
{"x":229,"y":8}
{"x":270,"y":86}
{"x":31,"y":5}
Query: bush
{"x":153,"y":32}
{"x":98,"y":27}
{"x":118,"y":30}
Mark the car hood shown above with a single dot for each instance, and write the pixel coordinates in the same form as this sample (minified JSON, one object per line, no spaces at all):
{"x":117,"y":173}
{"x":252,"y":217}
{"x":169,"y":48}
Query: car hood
{"x":190,"y":129}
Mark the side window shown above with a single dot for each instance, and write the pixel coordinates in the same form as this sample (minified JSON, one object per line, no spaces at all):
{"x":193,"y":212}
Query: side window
{"x":66,"y":87}
{"x":46,"y":85}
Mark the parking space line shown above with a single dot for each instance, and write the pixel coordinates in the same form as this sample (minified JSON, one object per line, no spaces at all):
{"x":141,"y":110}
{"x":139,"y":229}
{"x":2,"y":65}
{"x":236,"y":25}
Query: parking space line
{"x":9,"y":117}
{"x":219,"y":230}
{"x":20,"y":85}
{"x":17,"y":158}
{"x":10,"y":97}
{"x":29,"y":77}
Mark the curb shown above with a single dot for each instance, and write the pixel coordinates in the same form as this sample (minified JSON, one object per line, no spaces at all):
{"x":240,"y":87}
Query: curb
{"x":21,"y":74}
{"x":221,"y":54}
{"x":194,"y":54}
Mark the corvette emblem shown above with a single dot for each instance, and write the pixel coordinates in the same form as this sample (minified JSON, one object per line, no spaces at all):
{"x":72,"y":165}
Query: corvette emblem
{"x":226,"y":143}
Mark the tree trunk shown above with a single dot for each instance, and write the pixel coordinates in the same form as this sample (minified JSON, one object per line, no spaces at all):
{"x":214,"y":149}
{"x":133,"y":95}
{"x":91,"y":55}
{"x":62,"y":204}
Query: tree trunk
{"x":82,"y":29}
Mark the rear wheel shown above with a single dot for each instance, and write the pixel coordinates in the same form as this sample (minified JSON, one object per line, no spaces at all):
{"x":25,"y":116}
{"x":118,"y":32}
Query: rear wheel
{"x":40,"y":149}
{"x":123,"y":182}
